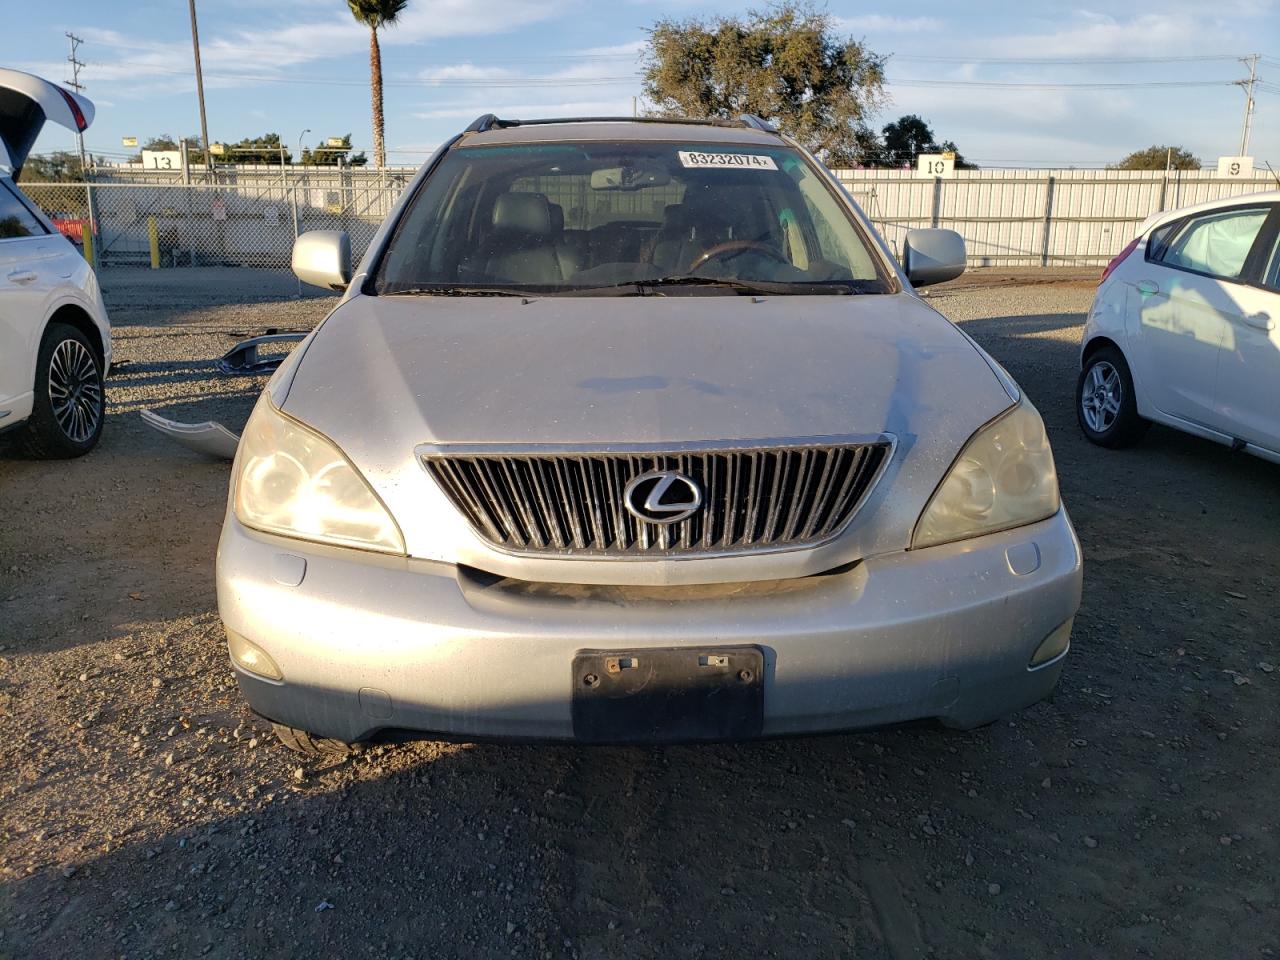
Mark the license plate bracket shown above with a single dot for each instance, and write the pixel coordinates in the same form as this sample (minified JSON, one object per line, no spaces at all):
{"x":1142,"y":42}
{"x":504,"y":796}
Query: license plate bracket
{"x":668,"y":694}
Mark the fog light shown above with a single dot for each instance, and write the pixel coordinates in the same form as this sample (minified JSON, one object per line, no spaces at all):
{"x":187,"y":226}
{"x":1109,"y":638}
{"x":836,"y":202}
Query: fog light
{"x":251,"y":657}
{"x":1054,"y":646}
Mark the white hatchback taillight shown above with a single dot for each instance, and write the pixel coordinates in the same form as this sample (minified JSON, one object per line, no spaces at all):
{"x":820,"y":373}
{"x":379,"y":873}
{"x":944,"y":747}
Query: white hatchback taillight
{"x":1119,"y":258}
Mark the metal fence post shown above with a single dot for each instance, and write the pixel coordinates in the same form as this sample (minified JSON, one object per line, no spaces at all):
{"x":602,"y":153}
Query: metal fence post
{"x":1048,"y":221}
{"x":293,"y":201}
{"x":92,"y":253}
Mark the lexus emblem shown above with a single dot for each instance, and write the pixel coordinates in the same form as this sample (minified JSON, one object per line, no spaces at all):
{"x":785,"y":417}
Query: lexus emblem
{"x":662,"y":496}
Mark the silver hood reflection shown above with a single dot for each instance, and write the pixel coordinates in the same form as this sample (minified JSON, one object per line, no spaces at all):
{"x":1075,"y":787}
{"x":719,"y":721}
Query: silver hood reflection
{"x":384,"y":375}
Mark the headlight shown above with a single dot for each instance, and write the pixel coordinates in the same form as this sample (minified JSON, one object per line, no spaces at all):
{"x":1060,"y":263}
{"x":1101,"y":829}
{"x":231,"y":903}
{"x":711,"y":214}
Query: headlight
{"x":1003,"y":478}
{"x":296,"y":483}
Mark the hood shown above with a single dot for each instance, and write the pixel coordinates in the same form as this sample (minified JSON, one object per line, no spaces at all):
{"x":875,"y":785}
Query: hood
{"x":384,"y":375}
{"x":26,"y":102}
{"x":394,"y":372}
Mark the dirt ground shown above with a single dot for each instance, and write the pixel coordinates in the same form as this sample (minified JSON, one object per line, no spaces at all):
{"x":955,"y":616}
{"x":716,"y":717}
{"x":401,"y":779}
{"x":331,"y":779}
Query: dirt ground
{"x":146,"y":813}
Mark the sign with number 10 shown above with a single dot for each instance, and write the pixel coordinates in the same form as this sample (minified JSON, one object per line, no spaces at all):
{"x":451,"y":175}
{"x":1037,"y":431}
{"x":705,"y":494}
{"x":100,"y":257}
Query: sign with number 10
{"x":936,"y":165}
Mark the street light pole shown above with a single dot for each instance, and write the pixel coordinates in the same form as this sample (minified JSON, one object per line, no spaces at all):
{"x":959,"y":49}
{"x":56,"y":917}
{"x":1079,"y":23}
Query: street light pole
{"x":195,"y":46}
{"x":300,"y":136}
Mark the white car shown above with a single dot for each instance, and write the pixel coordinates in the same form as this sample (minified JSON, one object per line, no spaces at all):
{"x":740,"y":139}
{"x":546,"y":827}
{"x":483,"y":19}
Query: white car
{"x":1185,"y":330}
{"x":55,"y":340}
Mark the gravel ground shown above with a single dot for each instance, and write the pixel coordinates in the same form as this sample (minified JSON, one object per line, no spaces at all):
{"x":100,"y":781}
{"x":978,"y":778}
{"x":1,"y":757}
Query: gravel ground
{"x":145,"y":812}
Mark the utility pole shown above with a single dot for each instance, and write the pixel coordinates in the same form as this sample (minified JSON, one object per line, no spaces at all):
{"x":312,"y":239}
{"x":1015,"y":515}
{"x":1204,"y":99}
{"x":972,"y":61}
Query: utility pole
{"x":75,"y":84}
{"x":204,"y":127}
{"x":1247,"y":85}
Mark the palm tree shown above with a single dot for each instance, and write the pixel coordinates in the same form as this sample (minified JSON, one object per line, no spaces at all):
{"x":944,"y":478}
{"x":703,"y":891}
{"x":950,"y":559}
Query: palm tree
{"x":376,"y":14}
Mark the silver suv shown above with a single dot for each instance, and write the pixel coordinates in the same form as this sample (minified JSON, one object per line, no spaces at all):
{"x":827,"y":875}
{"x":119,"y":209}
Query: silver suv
{"x":636,"y":431}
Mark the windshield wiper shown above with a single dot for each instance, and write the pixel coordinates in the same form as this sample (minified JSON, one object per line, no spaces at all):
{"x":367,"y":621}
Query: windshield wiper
{"x":458,"y":291}
{"x":758,"y":287}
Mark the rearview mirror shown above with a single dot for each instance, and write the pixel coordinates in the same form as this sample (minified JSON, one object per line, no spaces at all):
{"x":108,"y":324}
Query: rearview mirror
{"x":628,"y":178}
{"x":322,"y":258}
{"x":932,"y":256}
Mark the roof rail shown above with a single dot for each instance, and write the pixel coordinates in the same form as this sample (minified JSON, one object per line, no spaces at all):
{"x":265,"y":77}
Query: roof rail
{"x":757,"y":123}
{"x":489,"y":122}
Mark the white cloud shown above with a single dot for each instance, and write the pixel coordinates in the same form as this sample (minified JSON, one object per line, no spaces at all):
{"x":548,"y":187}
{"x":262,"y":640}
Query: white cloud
{"x":1101,"y":35}
{"x":577,"y":74}
{"x":635,"y":47}
{"x":1035,"y":125}
{"x":270,"y":51}
{"x":620,"y":106}
{"x":463,"y":71}
{"x":882,"y":23}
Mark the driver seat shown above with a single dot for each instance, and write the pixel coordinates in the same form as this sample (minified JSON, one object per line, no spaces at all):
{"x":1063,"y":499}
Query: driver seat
{"x":688,"y":230}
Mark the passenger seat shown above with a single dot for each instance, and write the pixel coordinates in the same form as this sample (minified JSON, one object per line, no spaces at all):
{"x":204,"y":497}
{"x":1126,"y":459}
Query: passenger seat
{"x":523,"y":246}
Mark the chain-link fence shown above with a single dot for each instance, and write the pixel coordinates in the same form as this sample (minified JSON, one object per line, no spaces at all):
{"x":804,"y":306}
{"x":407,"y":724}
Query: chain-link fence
{"x":203,"y":225}
{"x":1007,"y":217}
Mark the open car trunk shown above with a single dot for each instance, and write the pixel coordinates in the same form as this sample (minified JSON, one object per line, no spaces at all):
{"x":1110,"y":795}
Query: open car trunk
{"x":26,"y":103}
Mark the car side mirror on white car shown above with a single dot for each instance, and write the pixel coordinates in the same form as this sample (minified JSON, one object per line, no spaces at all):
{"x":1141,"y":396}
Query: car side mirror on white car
{"x":322,"y":258}
{"x":932,"y":256}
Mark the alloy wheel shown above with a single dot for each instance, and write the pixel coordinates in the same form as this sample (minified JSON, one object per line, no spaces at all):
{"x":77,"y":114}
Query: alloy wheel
{"x":1101,"y":396}
{"x":75,"y":393}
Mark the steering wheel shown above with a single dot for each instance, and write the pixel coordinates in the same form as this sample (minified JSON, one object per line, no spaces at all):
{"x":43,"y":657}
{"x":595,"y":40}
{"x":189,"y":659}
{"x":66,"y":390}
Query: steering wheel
{"x":732,"y":247}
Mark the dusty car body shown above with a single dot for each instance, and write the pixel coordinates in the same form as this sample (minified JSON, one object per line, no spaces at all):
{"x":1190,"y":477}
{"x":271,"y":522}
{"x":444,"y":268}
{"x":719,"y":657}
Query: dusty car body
{"x":711,"y":506}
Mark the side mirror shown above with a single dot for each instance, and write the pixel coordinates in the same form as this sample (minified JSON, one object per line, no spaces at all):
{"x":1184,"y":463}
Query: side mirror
{"x":322,"y":258}
{"x":932,"y":256}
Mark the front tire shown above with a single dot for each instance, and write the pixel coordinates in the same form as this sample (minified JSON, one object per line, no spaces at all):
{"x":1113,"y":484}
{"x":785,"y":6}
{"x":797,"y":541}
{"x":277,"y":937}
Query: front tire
{"x":300,"y":741}
{"x":1106,"y":406}
{"x":70,"y":403}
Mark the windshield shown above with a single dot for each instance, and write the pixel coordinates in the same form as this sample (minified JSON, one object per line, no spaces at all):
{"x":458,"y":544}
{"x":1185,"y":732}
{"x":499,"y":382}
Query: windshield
{"x":627,"y":217}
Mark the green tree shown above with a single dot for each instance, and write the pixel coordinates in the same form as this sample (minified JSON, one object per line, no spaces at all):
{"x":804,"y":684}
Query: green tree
{"x":264,"y":149}
{"x":905,"y":139}
{"x":377,"y":14}
{"x":949,"y":146}
{"x":1157,"y":157}
{"x":784,"y":63}
{"x":909,"y":136}
{"x":165,"y":142}
{"x":61,"y":166}
{"x":327,"y":156}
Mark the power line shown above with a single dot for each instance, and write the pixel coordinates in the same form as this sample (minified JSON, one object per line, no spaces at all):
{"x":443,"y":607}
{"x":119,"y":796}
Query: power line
{"x":1064,"y":61}
{"x":442,"y":82}
{"x":1036,"y":85}
{"x":545,"y":81}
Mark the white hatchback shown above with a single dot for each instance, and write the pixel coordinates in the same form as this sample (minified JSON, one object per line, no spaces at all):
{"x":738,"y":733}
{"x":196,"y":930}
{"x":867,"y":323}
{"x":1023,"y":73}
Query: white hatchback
{"x":55,"y":341}
{"x":1185,"y":330}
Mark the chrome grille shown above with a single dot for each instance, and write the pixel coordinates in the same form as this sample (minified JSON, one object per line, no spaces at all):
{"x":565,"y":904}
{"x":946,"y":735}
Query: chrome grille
{"x":572,"y":503}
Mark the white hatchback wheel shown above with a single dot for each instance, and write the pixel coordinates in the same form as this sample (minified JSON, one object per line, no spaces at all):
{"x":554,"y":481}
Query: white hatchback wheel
{"x":1101,"y":396}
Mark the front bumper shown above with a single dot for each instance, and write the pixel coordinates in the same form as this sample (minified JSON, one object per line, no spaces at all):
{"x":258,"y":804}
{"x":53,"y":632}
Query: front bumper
{"x":367,"y":643}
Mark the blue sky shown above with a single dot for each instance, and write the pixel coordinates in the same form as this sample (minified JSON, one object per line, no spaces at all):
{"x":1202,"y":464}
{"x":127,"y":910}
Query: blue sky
{"x":293,"y":64}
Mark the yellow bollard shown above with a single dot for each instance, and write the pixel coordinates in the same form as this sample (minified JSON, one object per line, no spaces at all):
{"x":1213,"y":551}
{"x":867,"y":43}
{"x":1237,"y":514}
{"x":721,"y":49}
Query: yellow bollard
{"x":154,"y":236}
{"x":88,"y":242}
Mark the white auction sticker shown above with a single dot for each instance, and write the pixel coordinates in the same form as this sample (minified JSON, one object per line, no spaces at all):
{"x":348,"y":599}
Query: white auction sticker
{"x":726,"y":161}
